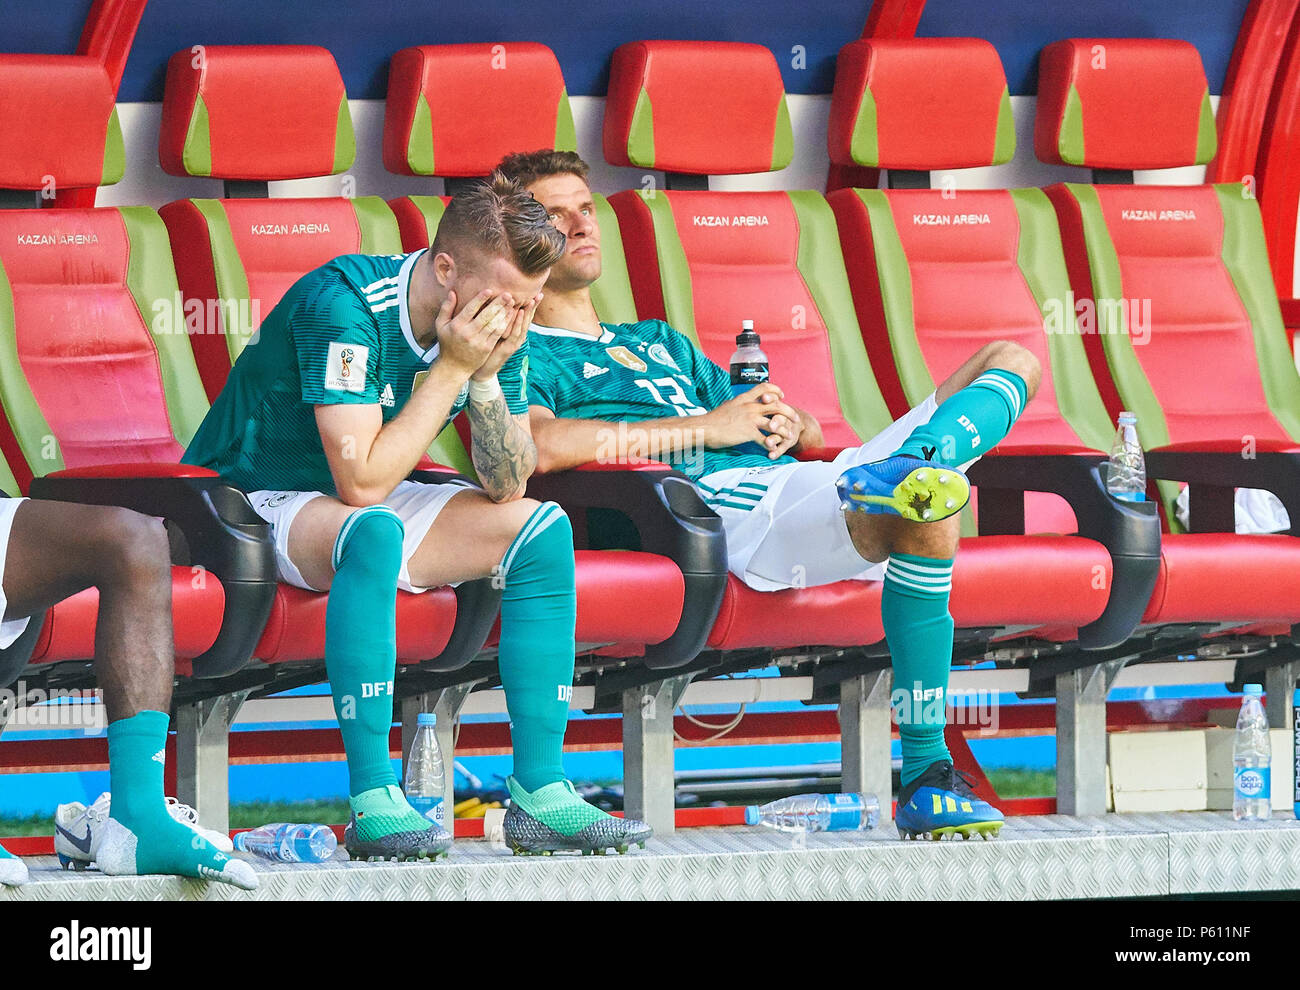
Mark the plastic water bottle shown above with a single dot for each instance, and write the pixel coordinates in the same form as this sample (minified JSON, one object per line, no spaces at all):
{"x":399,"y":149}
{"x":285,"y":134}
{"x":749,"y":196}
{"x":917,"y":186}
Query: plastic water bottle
{"x":1295,"y":746}
{"x":289,"y":843}
{"x":748,"y":368}
{"x":424,"y":772}
{"x":1251,"y":754}
{"x":817,"y":813}
{"x":1126,"y":473}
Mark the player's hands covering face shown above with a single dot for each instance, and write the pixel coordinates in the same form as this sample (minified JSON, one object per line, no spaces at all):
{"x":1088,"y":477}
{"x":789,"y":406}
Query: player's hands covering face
{"x":468,"y":337}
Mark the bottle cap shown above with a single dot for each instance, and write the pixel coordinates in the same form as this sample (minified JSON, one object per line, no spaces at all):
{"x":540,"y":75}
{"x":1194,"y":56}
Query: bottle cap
{"x":1127,"y":417}
{"x":747,"y":335}
{"x":751,"y":815}
{"x":426,"y":718}
{"x":1254,"y":689}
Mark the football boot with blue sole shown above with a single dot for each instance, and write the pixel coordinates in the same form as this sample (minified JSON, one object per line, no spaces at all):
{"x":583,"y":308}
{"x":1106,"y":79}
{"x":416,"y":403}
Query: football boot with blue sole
{"x":922,"y":491}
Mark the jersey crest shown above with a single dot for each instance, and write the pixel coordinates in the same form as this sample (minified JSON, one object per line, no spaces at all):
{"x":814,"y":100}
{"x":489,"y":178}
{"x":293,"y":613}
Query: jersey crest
{"x":626,"y":358}
{"x":659,"y":352}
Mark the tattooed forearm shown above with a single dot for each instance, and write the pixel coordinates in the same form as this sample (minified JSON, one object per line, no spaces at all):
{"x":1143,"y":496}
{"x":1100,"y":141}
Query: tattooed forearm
{"x":502,"y":449}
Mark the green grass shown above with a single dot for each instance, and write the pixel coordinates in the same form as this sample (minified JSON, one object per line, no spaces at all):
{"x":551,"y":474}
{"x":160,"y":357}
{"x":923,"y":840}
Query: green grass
{"x":1019,"y":782}
{"x":256,"y":813}
{"x":32,"y":825}
{"x":248,"y":815}
{"x":1009,"y":782}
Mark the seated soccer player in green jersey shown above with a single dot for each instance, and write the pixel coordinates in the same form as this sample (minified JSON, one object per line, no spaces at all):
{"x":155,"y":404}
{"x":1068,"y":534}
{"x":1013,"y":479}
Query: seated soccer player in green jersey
{"x":49,"y":551}
{"x":782,"y":517}
{"x":352,"y":375}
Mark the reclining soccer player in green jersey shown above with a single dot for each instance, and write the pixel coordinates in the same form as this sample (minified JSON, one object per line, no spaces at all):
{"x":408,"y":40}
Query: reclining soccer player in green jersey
{"x":782,"y":517}
{"x":352,"y":376}
{"x":49,"y":551}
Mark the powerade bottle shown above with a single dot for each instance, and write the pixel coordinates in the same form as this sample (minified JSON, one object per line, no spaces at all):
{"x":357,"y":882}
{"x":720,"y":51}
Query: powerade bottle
{"x":817,"y":813}
{"x":748,"y":368}
{"x":1126,"y":472}
{"x":1251,"y":755}
{"x":424,"y":772}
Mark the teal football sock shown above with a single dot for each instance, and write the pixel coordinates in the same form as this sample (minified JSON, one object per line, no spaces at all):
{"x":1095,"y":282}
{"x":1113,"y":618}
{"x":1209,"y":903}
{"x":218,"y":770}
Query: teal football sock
{"x":361,"y":641}
{"x":971,"y":422}
{"x":137,"y":748}
{"x":13,"y":871}
{"x":918,"y":629}
{"x":538,"y":612}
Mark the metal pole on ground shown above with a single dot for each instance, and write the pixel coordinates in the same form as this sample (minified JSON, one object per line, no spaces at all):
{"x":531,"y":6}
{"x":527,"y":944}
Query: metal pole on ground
{"x":203,"y":757}
{"x":648,"y":785}
{"x":865,"y":726}
{"x":1081,"y":738}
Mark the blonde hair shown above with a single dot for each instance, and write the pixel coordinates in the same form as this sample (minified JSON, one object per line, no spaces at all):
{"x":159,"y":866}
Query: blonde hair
{"x":500,"y":218}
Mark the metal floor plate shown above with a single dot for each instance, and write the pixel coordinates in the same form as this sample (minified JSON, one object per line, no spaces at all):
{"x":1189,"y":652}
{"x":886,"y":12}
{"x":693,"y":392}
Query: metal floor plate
{"x":1035,"y":858}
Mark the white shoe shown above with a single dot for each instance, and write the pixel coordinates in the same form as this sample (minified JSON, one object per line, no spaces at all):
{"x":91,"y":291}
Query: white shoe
{"x":13,"y":872}
{"x":78,"y":830}
{"x":186,"y":815}
{"x":116,"y":851}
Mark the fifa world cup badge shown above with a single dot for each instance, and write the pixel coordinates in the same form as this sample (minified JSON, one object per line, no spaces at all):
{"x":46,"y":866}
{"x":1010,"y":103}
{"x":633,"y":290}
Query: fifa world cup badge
{"x":345,"y":367}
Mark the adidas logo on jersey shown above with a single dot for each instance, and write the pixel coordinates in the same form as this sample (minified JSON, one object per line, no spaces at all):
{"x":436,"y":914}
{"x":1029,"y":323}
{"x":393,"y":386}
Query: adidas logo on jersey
{"x":386,"y":399}
{"x":590,"y":370}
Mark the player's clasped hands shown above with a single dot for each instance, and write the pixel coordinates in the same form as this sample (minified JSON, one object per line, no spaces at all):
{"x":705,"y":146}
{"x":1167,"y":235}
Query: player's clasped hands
{"x":759,"y":416}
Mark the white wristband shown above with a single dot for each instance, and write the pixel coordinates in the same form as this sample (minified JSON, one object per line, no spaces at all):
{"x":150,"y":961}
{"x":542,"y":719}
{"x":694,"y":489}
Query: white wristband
{"x":484,"y":391}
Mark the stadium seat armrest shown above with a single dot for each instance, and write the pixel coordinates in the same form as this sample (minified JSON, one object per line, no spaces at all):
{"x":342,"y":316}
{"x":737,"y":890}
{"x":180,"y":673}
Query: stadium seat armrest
{"x":671,"y":520}
{"x":218,"y":532}
{"x":1130,"y":531}
{"x":1212,"y":476}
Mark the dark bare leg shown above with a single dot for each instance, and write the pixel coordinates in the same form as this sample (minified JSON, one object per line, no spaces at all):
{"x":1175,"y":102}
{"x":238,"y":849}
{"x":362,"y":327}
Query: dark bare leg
{"x":57,"y":549}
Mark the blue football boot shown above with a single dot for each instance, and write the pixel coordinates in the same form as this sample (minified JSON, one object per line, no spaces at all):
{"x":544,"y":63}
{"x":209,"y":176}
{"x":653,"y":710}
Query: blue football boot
{"x":941,"y":802}
{"x":922,"y":491}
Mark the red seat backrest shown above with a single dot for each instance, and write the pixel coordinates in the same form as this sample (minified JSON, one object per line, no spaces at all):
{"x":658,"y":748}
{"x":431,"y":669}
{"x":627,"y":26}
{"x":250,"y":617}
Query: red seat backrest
{"x":1186,"y":329}
{"x":235,"y":258}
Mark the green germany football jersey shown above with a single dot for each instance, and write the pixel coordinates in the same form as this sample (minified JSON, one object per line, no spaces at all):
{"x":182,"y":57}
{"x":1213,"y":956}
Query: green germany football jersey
{"x":634,"y":371}
{"x":341,"y":334}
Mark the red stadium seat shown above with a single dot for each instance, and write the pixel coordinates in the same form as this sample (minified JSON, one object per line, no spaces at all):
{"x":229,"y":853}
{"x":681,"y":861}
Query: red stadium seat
{"x":1187,"y":330}
{"x":935,"y":275}
{"x":705,"y":260}
{"x":504,"y":98}
{"x":457,"y":110}
{"x":239,"y":250}
{"x":77,"y":289}
{"x":58,"y":124}
{"x":250,"y":115}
